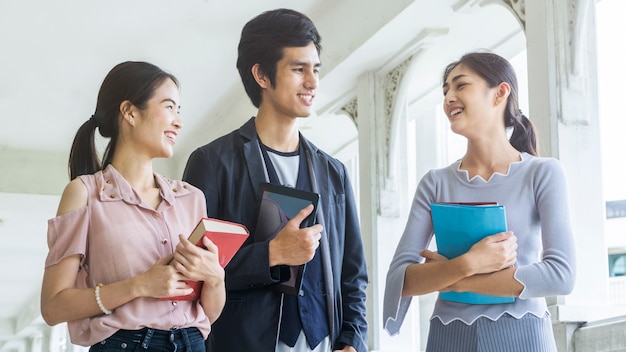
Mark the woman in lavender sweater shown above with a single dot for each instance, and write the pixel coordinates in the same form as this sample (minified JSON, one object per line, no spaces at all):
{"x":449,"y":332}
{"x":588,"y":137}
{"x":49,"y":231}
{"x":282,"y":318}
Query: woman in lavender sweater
{"x":532,"y":260}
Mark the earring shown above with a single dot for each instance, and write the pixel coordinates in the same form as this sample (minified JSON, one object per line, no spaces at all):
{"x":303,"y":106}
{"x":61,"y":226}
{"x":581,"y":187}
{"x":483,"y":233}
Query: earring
{"x":131,"y":121}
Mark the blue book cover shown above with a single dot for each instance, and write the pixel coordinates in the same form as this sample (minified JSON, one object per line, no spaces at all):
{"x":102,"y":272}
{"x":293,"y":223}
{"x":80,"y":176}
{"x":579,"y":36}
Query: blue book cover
{"x":457,"y":228}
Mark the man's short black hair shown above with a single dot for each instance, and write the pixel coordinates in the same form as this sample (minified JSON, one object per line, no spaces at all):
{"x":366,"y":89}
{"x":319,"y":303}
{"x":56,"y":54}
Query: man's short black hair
{"x":262,"y":42}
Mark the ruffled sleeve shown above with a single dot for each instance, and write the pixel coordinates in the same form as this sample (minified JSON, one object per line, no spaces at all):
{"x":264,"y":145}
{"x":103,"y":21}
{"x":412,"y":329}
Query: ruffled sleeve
{"x":416,"y":237}
{"x":67,"y":235}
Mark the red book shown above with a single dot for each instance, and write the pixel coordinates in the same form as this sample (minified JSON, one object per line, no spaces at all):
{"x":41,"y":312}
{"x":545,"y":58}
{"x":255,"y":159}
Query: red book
{"x":227,"y":236}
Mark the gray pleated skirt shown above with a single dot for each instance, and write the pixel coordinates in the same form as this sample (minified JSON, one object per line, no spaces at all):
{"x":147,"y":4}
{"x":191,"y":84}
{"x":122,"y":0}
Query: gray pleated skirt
{"x":507,"y":334}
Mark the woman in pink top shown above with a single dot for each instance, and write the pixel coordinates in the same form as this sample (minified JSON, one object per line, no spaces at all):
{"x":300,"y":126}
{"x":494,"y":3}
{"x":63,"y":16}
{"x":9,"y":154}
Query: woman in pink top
{"x":118,"y":247}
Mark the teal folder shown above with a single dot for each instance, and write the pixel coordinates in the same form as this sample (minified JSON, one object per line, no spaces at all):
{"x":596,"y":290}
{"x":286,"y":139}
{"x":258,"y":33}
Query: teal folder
{"x":457,"y":228}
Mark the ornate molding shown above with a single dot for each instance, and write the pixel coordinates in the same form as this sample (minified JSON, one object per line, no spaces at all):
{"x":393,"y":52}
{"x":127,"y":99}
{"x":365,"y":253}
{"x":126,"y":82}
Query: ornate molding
{"x":579,"y":9}
{"x":391,"y":84}
{"x":517,"y":7}
{"x":351,"y":109}
{"x":574,"y":50}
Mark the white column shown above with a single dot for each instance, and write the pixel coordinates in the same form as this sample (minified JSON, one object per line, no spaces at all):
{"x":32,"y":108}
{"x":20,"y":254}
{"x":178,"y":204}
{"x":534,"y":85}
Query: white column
{"x":564,"y":106}
{"x":381,"y":225}
{"x":367,"y":174}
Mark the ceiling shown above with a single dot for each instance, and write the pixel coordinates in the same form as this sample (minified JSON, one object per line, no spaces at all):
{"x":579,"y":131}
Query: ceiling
{"x":54,"y":55}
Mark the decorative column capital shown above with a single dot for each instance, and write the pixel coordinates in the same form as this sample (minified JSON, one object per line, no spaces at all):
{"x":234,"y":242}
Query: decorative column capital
{"x":351,"y":109}
{"x":517,"y":7}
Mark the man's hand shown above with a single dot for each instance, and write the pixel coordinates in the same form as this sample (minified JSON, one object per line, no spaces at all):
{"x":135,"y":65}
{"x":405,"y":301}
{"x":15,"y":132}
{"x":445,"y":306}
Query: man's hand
{"x":293,"y":245}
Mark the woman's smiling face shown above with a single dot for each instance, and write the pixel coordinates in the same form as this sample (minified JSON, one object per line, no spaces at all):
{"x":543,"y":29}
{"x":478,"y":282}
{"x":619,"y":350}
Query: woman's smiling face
{"x":159,"y":123}
{"x":469,"y":103}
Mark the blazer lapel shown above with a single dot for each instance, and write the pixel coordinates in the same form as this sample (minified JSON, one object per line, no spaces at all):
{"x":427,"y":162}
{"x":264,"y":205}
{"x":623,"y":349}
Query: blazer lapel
{"x":252,"y":155}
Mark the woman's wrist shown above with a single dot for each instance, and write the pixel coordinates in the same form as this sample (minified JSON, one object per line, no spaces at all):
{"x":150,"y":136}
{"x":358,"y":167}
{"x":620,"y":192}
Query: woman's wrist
{"x":463,"y":265}
{"x":98,"y":295}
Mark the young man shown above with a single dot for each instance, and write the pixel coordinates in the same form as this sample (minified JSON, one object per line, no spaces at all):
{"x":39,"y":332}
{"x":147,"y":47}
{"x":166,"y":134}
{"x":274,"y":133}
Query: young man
{"x":279,"y":66}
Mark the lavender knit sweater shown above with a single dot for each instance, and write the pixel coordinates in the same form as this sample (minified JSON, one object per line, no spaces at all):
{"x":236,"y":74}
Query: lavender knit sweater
{"x":534,"y":193}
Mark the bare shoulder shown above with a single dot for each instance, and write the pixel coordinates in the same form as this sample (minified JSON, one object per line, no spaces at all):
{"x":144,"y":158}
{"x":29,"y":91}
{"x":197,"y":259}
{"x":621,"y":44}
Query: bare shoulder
{"x":74,"y":197}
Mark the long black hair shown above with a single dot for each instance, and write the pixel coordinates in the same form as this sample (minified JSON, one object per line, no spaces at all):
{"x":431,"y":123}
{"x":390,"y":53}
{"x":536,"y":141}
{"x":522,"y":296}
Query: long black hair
{"x":131,"y":80}
{"x":495,"y":69}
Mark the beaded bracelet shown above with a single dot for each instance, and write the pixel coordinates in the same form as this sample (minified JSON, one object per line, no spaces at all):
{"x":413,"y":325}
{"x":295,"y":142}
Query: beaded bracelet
{"x":99,"y":301}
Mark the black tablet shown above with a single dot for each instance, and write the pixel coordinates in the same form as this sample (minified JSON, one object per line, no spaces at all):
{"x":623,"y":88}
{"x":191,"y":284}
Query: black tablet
{"x":278,"y":204}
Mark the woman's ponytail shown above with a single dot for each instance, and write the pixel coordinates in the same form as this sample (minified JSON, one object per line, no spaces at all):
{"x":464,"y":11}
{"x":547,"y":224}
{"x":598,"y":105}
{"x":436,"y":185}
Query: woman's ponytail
{"x":524,"y":136}
{"x":83,"y":155}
